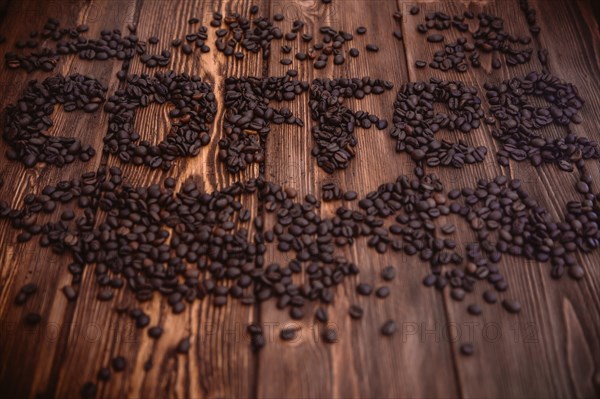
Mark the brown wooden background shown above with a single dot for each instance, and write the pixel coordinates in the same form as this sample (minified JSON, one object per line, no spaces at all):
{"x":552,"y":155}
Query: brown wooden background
{"x":551,"y":349}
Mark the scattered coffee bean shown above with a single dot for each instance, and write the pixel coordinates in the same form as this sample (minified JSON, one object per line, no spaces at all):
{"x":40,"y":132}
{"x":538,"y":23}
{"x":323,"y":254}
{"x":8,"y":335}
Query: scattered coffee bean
{"x":288,"y":334}
{"x":118,"y":363}
{"x":388,"y":273}
{"x":511,"y":305}
{"x":355,"y":311}
{"x":183,"y":346}
{"x":467,"y":349}
{"x":382,"y":292}
{"x":389,"y":328}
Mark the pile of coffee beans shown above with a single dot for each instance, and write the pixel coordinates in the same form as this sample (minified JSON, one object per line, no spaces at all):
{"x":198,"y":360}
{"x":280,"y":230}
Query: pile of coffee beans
{"x":334,"y":132}
{"x":194,"y":112}
{"x":507,"y":220}
{"x":112,"y":44}
{"x":518,"y":121}
{"x":248,"y":116}
{"x":416,"y":122}
{"x":28,"y":121}
{"x":489,"y":37}
{"x":253,"y":35}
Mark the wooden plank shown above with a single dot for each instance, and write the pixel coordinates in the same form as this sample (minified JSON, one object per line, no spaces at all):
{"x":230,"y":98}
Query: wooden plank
{"x":220,"y":363}
{"x":362,"y":363}
{"x":24,"y":263}
{"x":532,"y":351}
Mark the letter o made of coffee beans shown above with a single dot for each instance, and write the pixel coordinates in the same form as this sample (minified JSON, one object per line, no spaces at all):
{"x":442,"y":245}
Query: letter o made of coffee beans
{"x":27,"y":122}
{"x":194,"y":111}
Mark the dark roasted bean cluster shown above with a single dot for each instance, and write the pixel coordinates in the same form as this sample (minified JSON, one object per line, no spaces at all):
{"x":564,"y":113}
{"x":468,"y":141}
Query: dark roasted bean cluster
{"x":416,"y":122}
{"x":334,"y":132}
{"x":489,"y":37}
{"x":194,"y":112}
{"x":112,"y":44}
{"x":28,"y":121}
{"x":519,"y":122}
{"x":248,"y":116}
{"x":252,"y":35}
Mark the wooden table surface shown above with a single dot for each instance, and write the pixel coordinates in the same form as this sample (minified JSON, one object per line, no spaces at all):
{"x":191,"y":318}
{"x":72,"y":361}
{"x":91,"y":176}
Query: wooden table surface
{"x":550,"y":349}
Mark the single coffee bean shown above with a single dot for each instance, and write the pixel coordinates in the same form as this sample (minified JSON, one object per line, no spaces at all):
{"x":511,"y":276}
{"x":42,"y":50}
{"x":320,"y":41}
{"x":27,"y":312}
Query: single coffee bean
{"x":388,"y":273}
{"x":364,"y":289}
{"x":382,"y":292}
{"x":467,"y":349}
{"x":389,"y":328}
{"x":355,"y":311}
{"x":511,"y":305}
{"x":104,"y":374}
{"x":118,"y":363}
{"x":321,"y":315}
{"x":474,"y":309}
{"x":33,"y":318}
{"x":155,"y":332}
{"x":490,"y":296}
{"x":183,"y":346}
{"x":330,"y":335}
{"x":288,"y":334}
{"x":89,"y":390}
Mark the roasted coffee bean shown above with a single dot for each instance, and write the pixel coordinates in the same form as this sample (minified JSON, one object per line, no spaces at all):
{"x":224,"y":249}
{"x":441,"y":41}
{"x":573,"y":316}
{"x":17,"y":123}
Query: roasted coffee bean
{"x":258,"y":342}
{"x":382,"y":292}
{"x":288,"y":334}
{"x":89,"y":390}
{"x":321,"y":315}
{"x":155,"y":332}
{"x":104,"y":374}
{"x":105,"y":295}
{"x":474,"y":309}
{"x":490,"y":297}
{"x":389,"y":328}
{"x":388,"y":273}
{"x":183,"y":346}
{"x":364,"y":289}
{"x":330,"y":335}
{"x":33,"y":318}
{"x":372,"y":48}
{"x":576,"y":272}
{"x":118,"y":363}
{"x":70,"y":292}
{"x":511,"y":305}
{"x":355,"y":311}
{"x":467,"y":349}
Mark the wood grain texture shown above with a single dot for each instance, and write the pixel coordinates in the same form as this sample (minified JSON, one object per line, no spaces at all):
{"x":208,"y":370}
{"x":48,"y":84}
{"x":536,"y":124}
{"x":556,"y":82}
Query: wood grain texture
{"x":549,"y":350}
